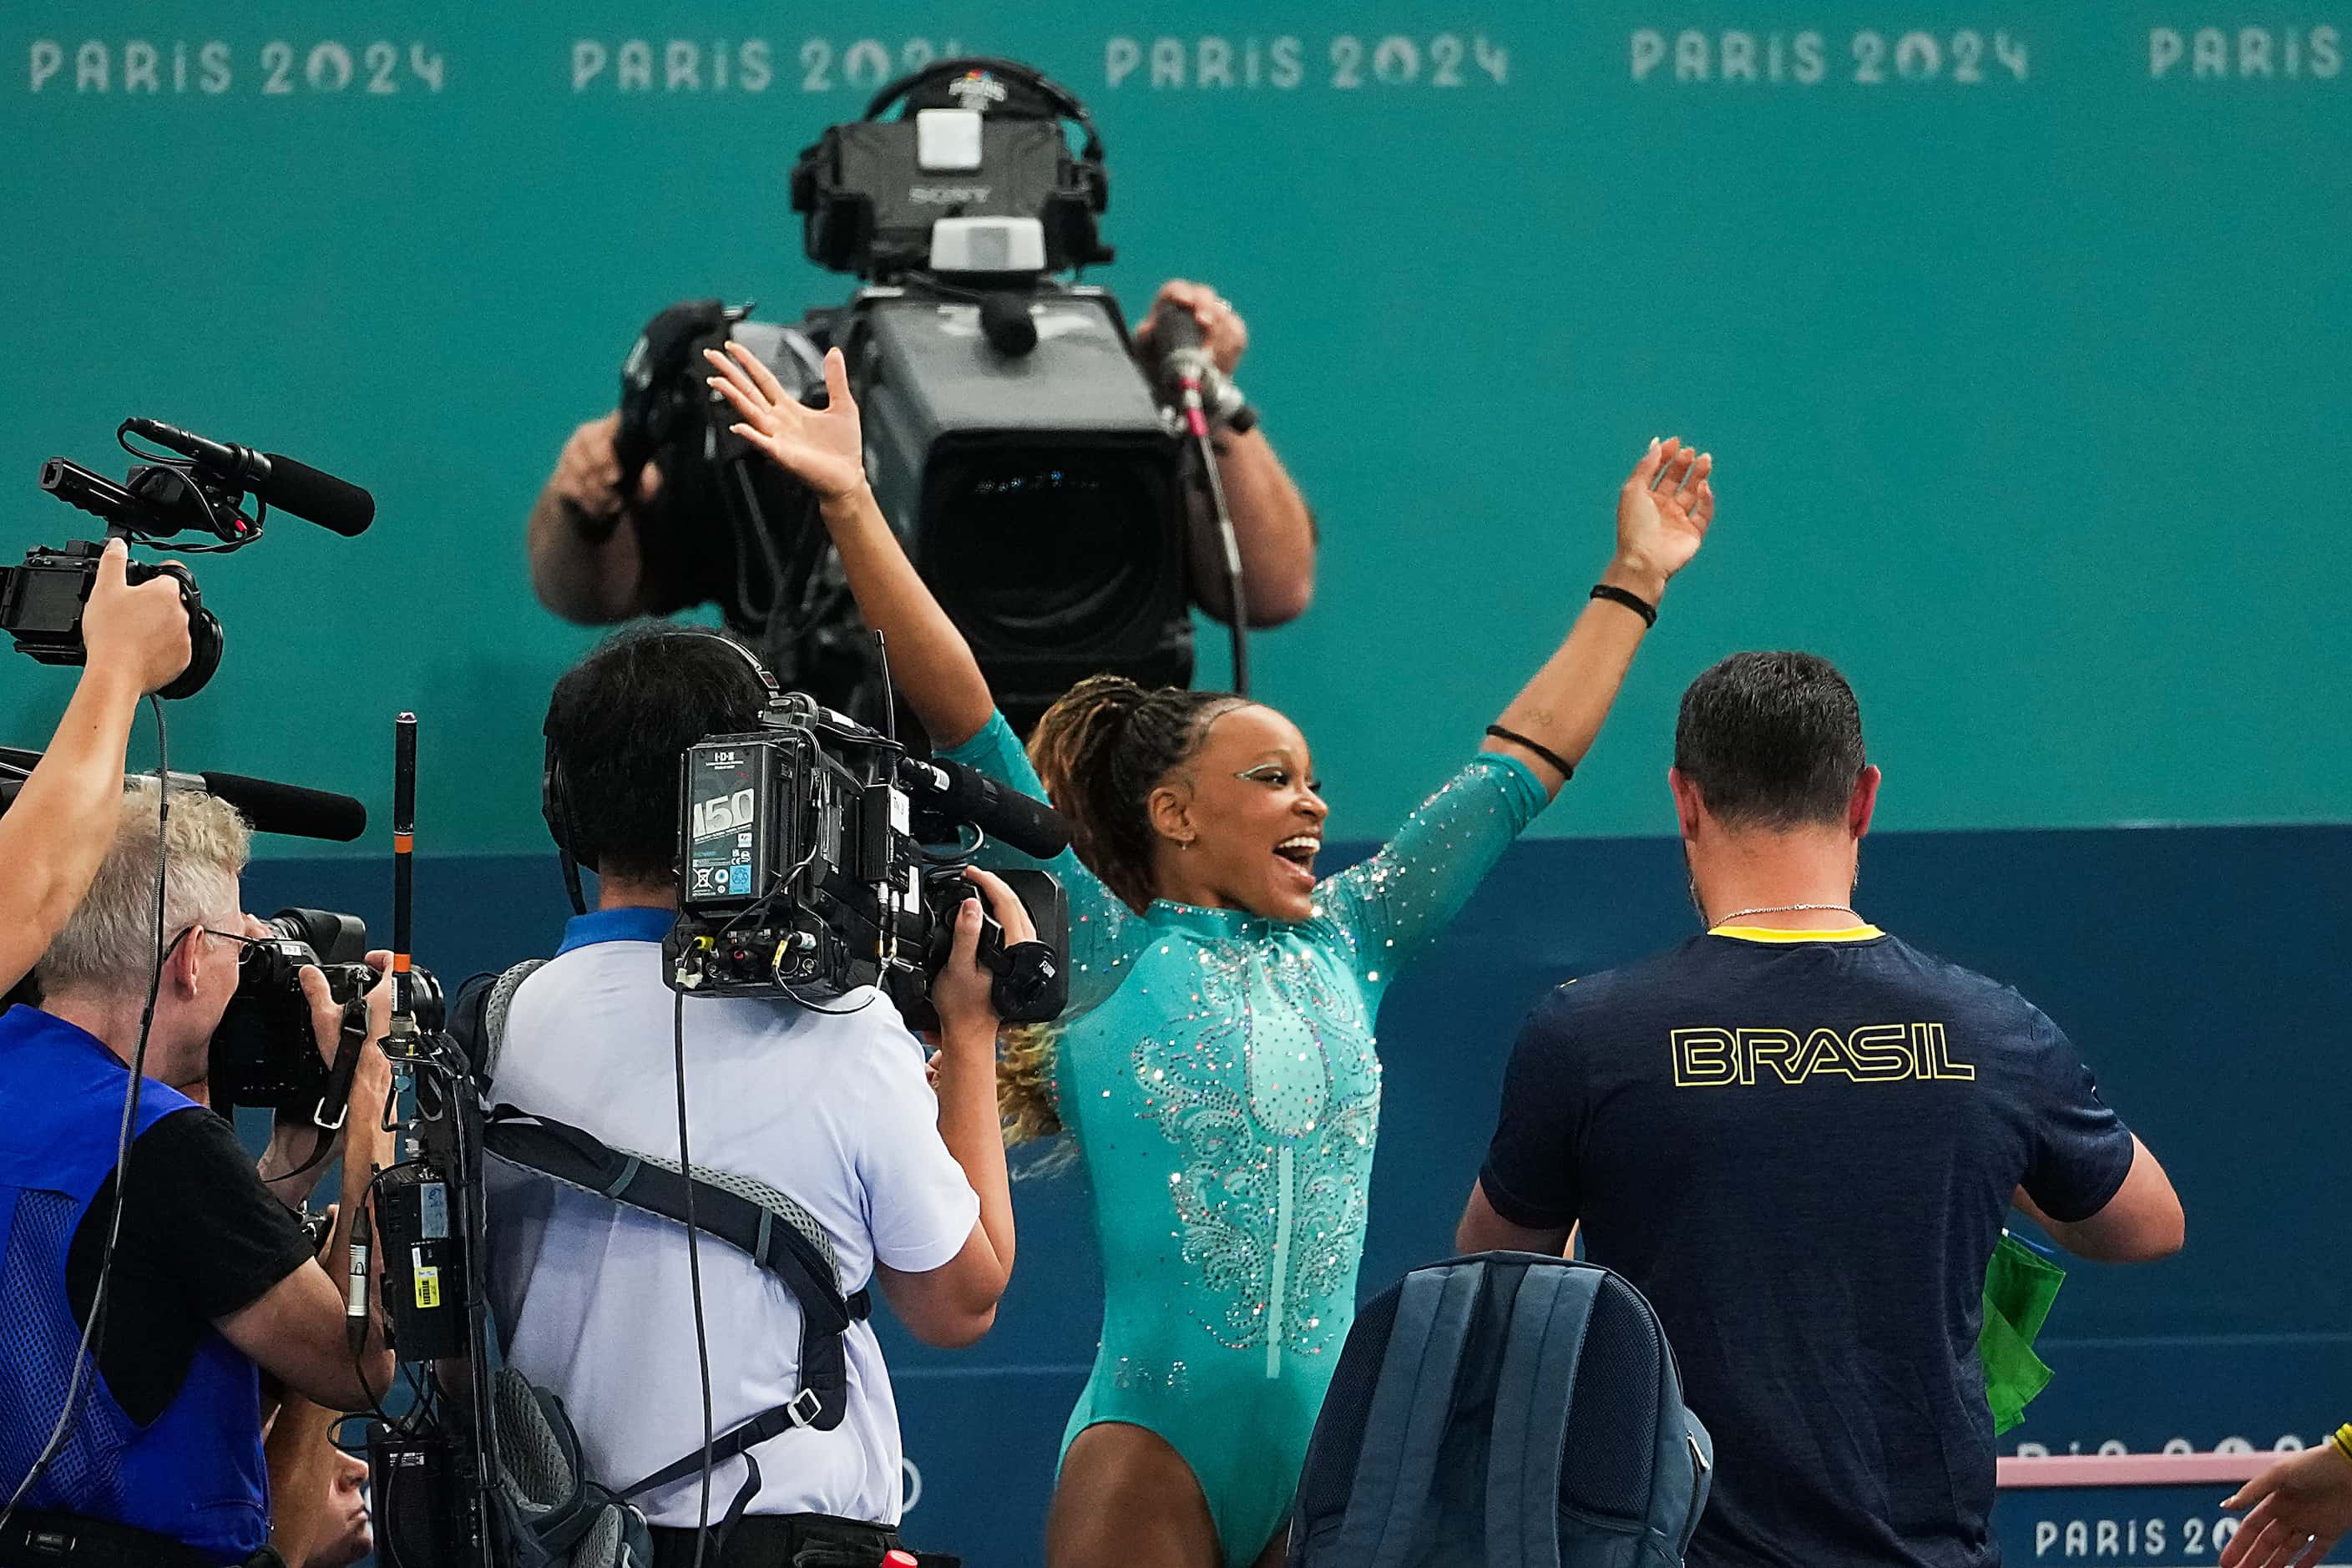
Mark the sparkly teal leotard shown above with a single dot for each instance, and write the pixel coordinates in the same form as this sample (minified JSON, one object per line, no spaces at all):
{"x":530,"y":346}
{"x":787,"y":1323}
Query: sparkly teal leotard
{"x":1225,"y":1096}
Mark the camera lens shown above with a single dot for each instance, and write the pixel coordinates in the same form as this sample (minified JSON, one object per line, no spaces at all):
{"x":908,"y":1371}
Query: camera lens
{"x":426,"y":1001}
{"x":1096,"y":520}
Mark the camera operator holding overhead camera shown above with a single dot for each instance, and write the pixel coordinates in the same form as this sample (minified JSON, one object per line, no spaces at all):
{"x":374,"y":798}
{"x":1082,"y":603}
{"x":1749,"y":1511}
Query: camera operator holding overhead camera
{"x":138,"y":642}
{"x":149,"y":1277}
{"x":1057,"y":449}
{"x":819,"y":1103}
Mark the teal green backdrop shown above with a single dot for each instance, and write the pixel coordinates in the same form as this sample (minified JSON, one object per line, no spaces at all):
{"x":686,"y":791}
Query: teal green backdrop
{"x":2019,"y":333}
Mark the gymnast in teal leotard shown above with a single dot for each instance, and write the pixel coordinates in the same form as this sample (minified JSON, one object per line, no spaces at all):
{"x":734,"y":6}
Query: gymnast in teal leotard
{"x":1216,"y":1069}
{"x":1225,"y":1097}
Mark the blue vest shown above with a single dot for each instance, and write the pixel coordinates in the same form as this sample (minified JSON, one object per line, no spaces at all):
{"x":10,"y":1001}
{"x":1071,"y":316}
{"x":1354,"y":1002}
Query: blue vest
{"x":196,"y":1472}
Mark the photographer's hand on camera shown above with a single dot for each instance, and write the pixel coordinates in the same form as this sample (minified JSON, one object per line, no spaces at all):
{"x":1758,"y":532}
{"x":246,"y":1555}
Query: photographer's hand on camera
{"x":585,"y":558}
{"x":955,"y":1304}
{"x":298,"y":1331}
{"x":964,"y":991}
{"x":137,"y":641}
{"x":134,"y":635}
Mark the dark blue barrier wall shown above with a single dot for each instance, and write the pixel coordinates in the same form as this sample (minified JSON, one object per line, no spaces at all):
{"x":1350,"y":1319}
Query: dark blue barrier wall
{"x":2201,"y":970}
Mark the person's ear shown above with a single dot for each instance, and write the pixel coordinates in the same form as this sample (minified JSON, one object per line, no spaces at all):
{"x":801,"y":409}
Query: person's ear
{"x":1689,"y":808}
{"x":184,"y":969}
{"x":1865,"y":803}
{"x":1170,"y":809}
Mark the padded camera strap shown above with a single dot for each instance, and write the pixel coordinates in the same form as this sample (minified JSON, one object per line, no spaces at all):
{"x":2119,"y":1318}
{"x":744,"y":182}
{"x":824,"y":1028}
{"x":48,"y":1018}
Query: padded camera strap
{"x":769,"y":1238}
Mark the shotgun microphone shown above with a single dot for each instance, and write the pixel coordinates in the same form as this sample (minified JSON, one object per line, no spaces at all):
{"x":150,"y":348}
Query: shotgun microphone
{"x":294,"y":487}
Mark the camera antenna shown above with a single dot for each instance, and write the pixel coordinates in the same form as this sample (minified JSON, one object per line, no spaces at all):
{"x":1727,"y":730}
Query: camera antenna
{"x":402,"y":1043}
{"x":890,"y":696}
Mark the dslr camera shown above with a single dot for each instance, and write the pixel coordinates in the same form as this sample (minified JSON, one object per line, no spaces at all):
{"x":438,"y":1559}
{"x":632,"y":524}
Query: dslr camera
{"x":264,"y":1053}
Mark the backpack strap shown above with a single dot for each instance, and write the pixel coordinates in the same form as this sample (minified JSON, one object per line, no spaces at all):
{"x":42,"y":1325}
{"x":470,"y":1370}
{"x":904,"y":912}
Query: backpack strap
{"x":494,"y":1013}
{"x":1548,"y":1318}
{"x":567,"y":1155}
{"x":1414,"y":1395}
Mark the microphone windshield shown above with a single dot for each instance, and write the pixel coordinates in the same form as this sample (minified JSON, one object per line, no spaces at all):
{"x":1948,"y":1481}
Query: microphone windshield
{"x":290,"y":809}
{"x":335,"y":504}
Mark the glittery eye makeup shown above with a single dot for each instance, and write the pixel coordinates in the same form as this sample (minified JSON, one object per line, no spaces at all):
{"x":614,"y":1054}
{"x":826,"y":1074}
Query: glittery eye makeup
{"x":1277,"y":774}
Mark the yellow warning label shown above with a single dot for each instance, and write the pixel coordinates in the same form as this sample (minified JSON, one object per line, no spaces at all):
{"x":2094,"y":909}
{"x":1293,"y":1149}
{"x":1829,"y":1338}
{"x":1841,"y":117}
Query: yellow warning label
{"x":427,"y":1279}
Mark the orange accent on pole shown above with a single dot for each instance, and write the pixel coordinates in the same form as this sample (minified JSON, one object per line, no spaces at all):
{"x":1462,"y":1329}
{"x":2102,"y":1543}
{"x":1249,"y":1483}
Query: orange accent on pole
{"x":400,"y":964}
{"x":402,"y":843}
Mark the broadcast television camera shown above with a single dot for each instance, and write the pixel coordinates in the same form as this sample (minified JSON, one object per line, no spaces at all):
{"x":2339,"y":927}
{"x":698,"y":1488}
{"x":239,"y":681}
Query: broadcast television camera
{"x":804,"y":867}
{"x":804,"y":870}
{"x":1015,"y":443}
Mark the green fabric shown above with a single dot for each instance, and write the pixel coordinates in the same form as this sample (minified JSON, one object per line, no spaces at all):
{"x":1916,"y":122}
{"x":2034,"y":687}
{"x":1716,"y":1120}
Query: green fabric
{"x":2020,"y":1286}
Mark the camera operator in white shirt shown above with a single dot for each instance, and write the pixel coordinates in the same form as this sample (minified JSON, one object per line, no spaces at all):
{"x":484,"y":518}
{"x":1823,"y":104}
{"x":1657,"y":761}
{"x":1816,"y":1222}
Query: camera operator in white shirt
{"x":830,"y":1108}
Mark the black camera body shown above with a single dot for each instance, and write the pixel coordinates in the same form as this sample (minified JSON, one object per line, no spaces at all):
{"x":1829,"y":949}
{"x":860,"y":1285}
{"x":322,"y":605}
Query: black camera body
{"x":869,"y":197}
{"x":264,"y":1053}
{"x":41,"y":602}
{"x":1007,"y":420}
{"x":804,"y":870}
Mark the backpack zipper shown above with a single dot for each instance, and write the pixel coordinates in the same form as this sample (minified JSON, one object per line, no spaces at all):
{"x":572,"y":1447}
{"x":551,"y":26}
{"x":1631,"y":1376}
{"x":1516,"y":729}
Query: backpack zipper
{"x":1699,"y":1474}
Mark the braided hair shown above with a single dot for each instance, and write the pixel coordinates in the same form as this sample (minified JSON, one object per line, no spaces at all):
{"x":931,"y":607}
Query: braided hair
{"x":1100,"y":752}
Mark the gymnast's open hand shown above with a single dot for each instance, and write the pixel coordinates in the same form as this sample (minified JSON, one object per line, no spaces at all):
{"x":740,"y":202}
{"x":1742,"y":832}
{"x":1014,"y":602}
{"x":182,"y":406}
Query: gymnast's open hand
{"x":1663,"y":511}
{"x":2301,"y":1506}
{"x":822,"y":448}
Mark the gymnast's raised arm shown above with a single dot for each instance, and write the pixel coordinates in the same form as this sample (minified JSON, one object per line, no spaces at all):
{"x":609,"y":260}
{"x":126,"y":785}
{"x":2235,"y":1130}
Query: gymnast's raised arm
{"x":1662,"y":510}
{"x":824,"y":448}
{"x":1394,"y":903}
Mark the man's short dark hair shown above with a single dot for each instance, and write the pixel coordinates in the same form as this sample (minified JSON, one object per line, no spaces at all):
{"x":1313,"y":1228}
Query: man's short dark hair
{"x":1771,"y":741}
{"x":620,"y":719}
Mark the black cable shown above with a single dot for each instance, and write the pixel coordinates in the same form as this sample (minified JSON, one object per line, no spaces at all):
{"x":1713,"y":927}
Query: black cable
{"x":358,"y":1346}
{"x":1238,"y":599}
{"x":90,"y":1330}
{"x":693,"y":1269}
{"x":188,"y":468}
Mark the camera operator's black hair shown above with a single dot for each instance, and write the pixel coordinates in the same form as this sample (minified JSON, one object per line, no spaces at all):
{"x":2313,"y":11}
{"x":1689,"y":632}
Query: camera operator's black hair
{"x":1771,"y":741}
{"x":618,"y":722}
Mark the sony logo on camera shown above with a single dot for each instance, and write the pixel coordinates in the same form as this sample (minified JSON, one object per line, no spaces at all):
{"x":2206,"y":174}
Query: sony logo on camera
{"x":947,"y":196}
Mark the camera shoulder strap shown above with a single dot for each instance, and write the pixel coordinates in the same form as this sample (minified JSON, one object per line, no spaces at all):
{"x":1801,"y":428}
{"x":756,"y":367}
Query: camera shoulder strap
{"x":496,"y":1002}
{"x":769,"y":1232}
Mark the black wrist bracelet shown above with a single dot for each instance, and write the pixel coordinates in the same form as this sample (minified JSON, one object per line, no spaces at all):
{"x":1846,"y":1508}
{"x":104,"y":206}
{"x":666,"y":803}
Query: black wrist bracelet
{"x":1634,"y":602}
{"x":1567,"y":769}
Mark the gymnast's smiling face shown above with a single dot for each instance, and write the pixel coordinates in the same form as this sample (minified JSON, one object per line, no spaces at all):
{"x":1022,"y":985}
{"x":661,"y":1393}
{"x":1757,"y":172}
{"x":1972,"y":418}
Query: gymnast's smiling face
{"x":1241,"y":821}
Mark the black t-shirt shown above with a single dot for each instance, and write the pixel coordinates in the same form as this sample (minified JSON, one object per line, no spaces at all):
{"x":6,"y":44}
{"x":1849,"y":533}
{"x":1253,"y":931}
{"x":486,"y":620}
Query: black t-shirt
{"x":202,"y":1237}
{"x":1802,"y":1153}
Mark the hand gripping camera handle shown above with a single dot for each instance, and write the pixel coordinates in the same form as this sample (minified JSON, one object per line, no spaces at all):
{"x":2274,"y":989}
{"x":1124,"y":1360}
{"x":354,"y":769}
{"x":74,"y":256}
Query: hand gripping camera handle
{"x":1203,"y":391}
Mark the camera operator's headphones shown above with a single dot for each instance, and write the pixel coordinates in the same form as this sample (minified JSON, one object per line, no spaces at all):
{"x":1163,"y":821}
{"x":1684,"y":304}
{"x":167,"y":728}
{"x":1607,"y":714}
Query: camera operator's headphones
{"x":840,"y":223}
{"x":554,"y":789}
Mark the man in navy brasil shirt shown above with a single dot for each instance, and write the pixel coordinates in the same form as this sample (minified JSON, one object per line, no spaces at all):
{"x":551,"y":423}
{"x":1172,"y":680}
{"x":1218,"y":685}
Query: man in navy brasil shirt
{"x":1799,"y":1136}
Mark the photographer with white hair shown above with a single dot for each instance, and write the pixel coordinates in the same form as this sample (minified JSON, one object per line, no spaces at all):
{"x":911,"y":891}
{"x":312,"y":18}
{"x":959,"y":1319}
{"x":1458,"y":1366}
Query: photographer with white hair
{"x":147,"y":1276}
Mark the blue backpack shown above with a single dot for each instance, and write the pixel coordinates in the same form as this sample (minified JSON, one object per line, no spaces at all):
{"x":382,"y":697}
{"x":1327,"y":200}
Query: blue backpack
{"x":1507,"y":1411}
